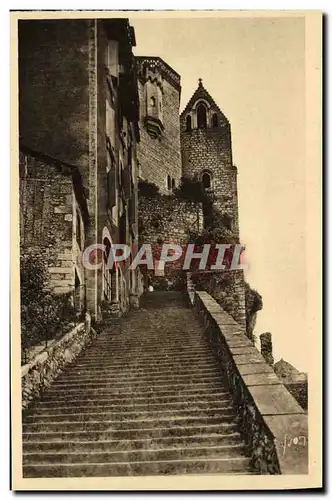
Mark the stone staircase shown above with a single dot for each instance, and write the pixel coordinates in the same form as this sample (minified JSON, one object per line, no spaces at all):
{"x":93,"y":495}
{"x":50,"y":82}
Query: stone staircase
{"x":146,"y":398}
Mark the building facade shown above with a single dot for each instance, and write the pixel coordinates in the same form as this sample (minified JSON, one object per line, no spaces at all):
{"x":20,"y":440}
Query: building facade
{"x":159,"y":150}
{"x":53,"y":221}
{"x":79,"y":106}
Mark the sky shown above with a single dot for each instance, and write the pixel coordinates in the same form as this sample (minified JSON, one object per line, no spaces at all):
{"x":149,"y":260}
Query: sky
{"x":255,"y":71}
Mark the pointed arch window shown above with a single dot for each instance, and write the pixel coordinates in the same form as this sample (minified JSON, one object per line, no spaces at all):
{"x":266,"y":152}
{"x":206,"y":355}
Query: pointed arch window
{"x":201,"y":116}
{"x":188,"y":123}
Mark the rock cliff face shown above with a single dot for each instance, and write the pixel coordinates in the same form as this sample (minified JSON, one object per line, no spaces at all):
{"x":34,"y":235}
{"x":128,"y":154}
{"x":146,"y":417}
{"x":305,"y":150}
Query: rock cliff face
{"x":295,"y":381}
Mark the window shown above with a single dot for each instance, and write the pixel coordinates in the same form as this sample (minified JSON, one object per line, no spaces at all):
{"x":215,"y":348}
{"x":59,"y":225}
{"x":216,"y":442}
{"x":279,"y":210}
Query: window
{"x":123,"y":228}
{"x":77,"y":294}
{"x":201,"y":116}
{"x":169,"y":183}
{"x":214,"y":120}
{"x":107,"y":272}
{"x":153,"y":102}
{"x":188,"y":123}
{"x":78,"y":229}
{"x":173,"y":184}
{"x":206,"y":180}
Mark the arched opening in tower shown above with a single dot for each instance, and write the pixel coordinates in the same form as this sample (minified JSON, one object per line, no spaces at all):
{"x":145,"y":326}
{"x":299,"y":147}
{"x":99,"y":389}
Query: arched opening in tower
{"x":214,"y":120}
{"x":206,"y":180}
{"x":188,"y":123}
{"x":201,"y":116}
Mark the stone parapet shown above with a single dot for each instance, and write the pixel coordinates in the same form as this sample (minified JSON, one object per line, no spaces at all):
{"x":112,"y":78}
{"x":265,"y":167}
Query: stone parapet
{"x":40,"y":372}
{"x":274,"y":426}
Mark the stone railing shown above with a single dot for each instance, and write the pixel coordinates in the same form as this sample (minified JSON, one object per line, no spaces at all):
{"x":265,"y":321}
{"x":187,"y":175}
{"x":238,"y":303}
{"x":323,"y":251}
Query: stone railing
{"x":39,"y":373}
{"x":272,"y":423}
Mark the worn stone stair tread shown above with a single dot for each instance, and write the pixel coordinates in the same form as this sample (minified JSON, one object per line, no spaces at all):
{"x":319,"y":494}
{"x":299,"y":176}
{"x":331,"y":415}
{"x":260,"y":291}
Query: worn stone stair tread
{"x":130,"y":444}
{"x":172,"y":467}
{"x":114,"y":424}
{"x":100,"y":416}
{"x":139,"y":374}
{"x":132,"y":396}
{"x":116,"y":400}
{"x":129,"y":391}
{"x":198,"y":405}
{"x":185,"y":366}
{"x":100,"y":377}
{"x":137,"y":364}
{"x":203,"y":348}
{"x":152,"y":432}
{"x":122,"y":456}
{"x":137,"y":387}
{"x":163,"y":382}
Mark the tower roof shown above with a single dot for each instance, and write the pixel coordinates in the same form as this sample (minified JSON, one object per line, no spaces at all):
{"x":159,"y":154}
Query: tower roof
{"x":153,"y":62}
{"x":202,"y":93}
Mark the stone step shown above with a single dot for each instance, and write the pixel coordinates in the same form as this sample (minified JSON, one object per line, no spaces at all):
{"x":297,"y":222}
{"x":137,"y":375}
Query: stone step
{"x":133,"y":354}
{"x":173,"y":363}
{"x":132,"y":444}
{"x":145,"y":407}
{"x":224,"y":451}
{"x":164,"y":381}
{"x":129,"y":433}
{"x":146,"y":397}
{"x":133,"y":371}
{"x":136,"y":388}
{"x":127,"y":415}
{"x":183,"y":466}
{"x":133,"y":424}
{"x":164,"y":344}
{"x":182,"y":335}
{"x":113,"y":345}
{"x":167,"y":398}
{"x":81,"y":376}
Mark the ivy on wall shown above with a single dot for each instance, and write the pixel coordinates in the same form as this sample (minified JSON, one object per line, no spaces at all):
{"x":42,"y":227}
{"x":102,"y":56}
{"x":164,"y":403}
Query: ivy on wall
{"x":254,"y":303}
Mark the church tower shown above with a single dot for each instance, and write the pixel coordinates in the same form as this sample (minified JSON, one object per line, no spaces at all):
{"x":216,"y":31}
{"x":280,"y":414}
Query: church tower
{"x":206,"y":150}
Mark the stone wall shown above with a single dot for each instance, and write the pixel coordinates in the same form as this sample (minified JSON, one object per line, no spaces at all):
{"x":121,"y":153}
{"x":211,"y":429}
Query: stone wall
{"x":227,"y":288}
{"x":266,"y":347}
{"x":40,"y":372}
{"x":54,"y":89}
{"x":299,"y":390}
{"x":167,"y":219}
{"x":210,"y":149}
{"x":51,"y":222}
{"x":273,"y":424}
{"x":160,"y":156}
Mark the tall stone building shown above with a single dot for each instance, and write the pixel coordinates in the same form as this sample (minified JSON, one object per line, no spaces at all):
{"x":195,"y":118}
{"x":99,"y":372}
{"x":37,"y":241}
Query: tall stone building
{"x":78,"y":112}
{"x":159,"y":95}
{"x":206,"y":151}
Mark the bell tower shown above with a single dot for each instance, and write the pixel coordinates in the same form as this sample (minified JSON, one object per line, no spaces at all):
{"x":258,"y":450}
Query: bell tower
{"x":206,"y":151}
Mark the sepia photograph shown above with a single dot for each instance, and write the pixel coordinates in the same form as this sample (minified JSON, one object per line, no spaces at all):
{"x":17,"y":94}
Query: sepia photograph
{"x":166,"y":196}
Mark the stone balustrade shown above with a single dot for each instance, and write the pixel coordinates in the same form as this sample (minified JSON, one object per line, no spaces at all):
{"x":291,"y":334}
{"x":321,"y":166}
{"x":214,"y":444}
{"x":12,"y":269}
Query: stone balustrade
{"x":273,"y":424}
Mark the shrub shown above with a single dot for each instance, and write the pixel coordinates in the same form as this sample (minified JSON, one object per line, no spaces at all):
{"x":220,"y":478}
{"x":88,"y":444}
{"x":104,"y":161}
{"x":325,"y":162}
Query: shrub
{"x":254,"y":303}
{"x":148,"y":189}
{"x":42,"y":313}
{"x":191,"y":190}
